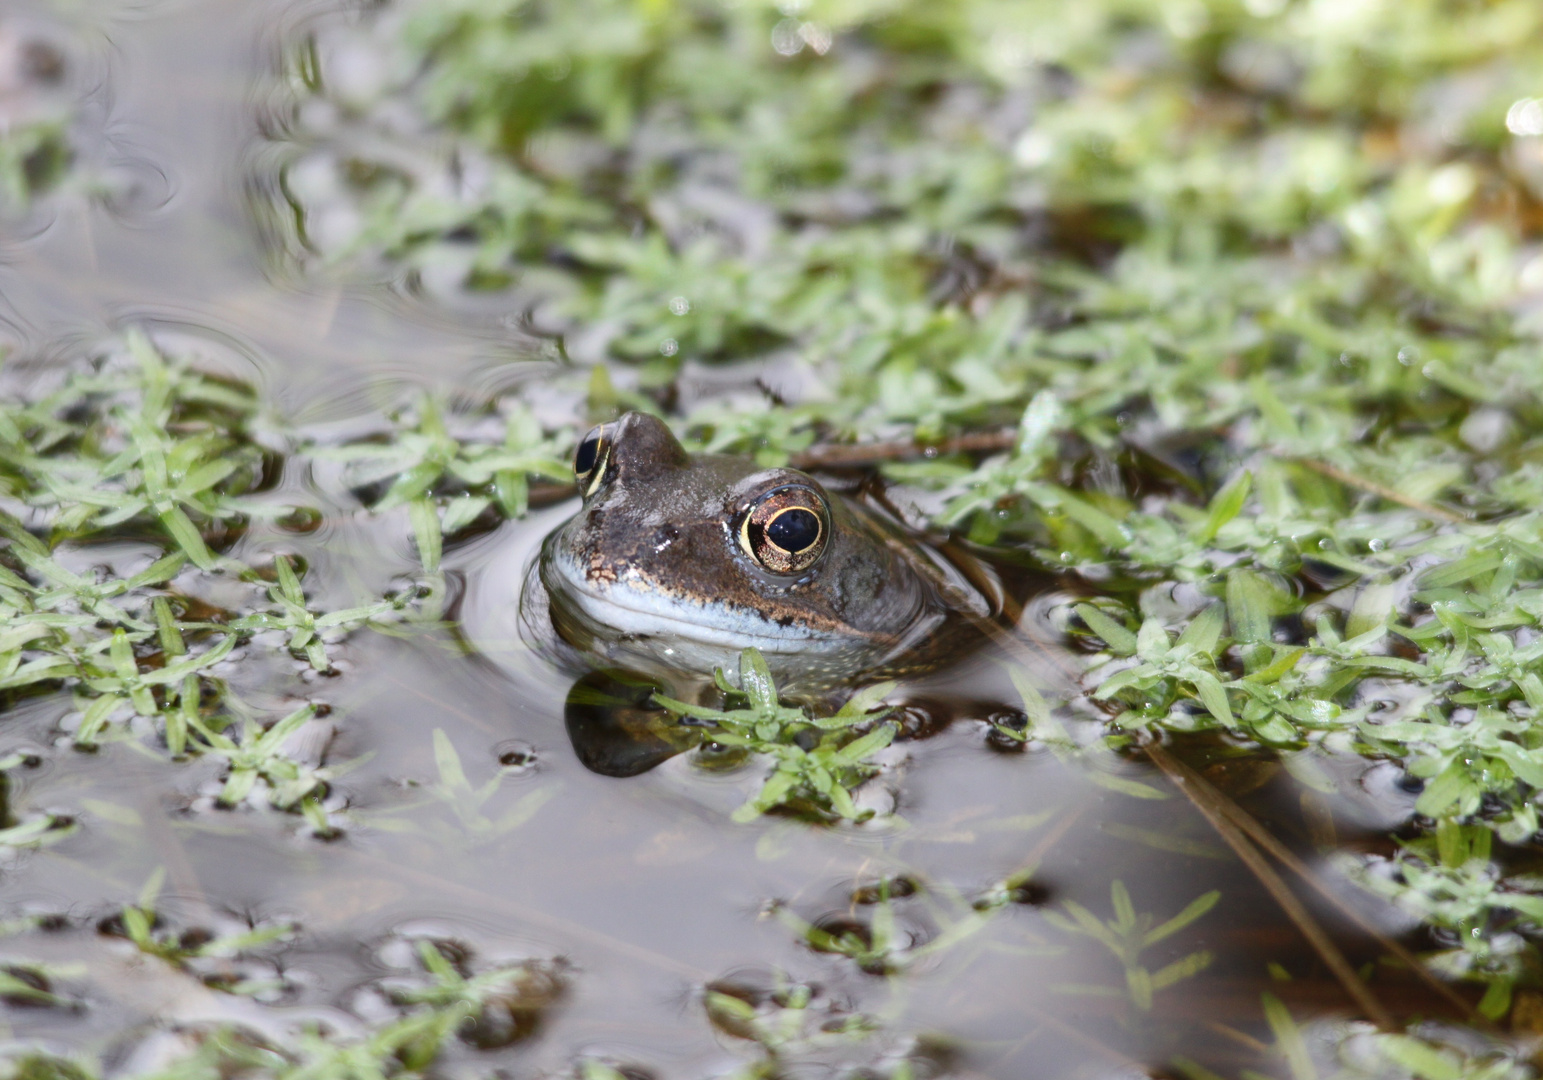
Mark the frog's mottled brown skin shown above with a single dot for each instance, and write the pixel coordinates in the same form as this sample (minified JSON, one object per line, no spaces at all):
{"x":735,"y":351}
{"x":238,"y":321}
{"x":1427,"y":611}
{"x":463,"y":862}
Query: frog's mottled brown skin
{"x":650,"y":575}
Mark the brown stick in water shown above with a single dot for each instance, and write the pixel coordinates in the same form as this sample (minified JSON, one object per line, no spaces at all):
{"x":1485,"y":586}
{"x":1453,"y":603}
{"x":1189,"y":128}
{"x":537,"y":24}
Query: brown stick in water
{"x":858,"y":455}
{"x":1207,"y":800}
{"x":1360,"y":483}
{"x":1267,"y":841}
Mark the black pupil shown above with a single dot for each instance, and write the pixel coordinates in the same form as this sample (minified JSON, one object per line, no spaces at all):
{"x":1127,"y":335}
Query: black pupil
{"x":794,"y":530}
{"x":584,"y":457}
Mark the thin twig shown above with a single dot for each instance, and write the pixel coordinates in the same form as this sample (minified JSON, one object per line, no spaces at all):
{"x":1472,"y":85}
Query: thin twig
{"x":1241,"y":1038}
{"x":858,"y":455}
{"x":1203,"y":798}
{"x":1323,"y":468}
{"x":1266,"y":840}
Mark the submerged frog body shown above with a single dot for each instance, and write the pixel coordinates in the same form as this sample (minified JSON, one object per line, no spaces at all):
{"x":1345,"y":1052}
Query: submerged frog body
{"x":678,"y":561}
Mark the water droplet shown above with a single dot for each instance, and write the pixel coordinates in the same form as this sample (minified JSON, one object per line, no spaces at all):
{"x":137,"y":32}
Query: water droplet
{"x":1451,"y":184}
{"x":786,"y":39}
{"x":669,"y":347}
{"x":680,"y":306}
{"x":816,"y":37}
{"x":1525,"y":117}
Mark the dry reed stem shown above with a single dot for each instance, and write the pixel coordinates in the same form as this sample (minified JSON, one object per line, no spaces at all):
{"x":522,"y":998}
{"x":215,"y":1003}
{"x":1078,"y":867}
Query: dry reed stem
{"x":1207,"y":800}
{"x":1323,"y":468}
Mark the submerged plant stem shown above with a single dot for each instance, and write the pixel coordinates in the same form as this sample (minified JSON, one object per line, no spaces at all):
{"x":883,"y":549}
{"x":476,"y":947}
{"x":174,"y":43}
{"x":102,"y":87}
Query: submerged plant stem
{"x":860,"y":455}
{"x":1262,"y":836}
{"x":1208,"y":801}
{"x":1371,"y":487}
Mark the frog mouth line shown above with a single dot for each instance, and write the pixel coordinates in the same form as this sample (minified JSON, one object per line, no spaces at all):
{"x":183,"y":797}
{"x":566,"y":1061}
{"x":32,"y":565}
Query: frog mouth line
{"x":638,"y":621}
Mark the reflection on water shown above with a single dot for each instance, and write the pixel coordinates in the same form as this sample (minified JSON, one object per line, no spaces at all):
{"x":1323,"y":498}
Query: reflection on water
{"x":562,"y":843}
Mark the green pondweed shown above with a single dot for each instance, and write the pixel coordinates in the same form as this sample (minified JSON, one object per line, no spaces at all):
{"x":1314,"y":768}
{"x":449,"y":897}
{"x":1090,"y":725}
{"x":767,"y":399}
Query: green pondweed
{"x":1128,"y":935}
{"x":819,"y":760}
{"x":454,"y":792}
{"x":447,"y":481}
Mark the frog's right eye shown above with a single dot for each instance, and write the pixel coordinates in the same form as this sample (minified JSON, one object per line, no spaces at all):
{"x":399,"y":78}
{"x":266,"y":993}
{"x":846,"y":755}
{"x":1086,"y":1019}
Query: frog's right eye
{"x":589,"y":460}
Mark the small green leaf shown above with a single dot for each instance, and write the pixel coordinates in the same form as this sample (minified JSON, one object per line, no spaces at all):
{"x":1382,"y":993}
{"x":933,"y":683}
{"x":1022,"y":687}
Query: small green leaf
{"x":1204,"y":630}
{"x":1192,"y":911}
{"x":1250,"y":606}
{"x":1117,"y":637}
{"x":426,"y":532}
{"x":1225,"y":505}
{"x":1213,"y":697}
{"x":1288,"y":1039}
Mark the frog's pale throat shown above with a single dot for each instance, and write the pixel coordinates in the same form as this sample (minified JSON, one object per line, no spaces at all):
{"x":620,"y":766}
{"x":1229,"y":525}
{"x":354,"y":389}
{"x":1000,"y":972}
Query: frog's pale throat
{"x":678,"y":561}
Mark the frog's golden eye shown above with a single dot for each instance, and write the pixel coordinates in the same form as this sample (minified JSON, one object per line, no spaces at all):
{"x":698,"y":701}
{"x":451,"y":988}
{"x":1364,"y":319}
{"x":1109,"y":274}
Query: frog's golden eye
{"x":590,"y":458}
{"x":786,"y":529}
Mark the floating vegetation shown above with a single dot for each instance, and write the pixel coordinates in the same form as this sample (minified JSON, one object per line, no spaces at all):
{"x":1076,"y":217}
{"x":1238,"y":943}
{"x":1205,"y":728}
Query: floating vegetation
{"x":438,"y":1008}
{"x":1250,"y":290}
{"x":793,"y":1024}
{"x":467,"y":822}
{"x":164,"y":467}
{"x":35,"y":151}
{"x":1225,"y":313}
{"x":448,"y":481}
{"x":819,"y":760}
{"x":1130,"y":934}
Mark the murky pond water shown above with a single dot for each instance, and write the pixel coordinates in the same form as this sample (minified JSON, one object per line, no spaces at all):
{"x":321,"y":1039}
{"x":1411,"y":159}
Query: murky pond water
{"x":1007,"y":920}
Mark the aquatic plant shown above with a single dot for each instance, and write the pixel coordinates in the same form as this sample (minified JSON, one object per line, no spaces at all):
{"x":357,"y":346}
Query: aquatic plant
{"x":145,"y":450}
{"x":35,"y":120}
{"x":467,"y":822}
{"x":1247,"y":290}
{"x":448,"y":481}
{"x":818,"y":760}
{"x":1130,"y":934}
{"x":437,"y":1009}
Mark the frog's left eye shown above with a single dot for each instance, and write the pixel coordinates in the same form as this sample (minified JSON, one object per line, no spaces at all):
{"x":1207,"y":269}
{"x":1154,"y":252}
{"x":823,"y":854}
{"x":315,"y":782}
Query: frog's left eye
{"x":786,"y":529}
{"x":590,"y":458}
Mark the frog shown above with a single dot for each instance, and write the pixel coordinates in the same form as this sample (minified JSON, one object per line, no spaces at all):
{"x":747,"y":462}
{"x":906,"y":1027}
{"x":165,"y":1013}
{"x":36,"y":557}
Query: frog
{"x":675,"y":562}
